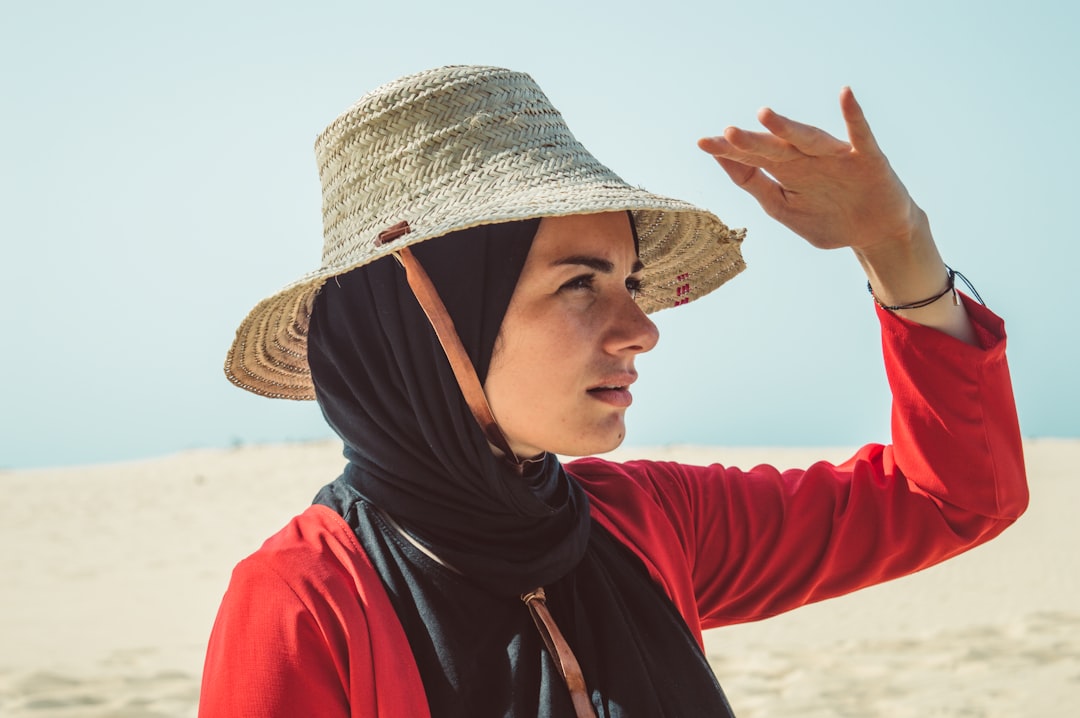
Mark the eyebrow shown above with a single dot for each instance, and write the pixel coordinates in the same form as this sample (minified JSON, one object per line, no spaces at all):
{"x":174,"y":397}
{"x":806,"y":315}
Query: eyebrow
{"x":596,"y":263}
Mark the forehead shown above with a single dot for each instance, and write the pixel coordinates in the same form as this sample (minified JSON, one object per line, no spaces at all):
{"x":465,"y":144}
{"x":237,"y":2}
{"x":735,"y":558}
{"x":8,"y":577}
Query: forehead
{"x":607,"y":235}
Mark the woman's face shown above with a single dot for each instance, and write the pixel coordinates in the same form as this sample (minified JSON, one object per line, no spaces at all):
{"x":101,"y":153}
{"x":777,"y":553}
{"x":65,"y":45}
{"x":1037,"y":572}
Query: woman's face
{"x":563,"y":363}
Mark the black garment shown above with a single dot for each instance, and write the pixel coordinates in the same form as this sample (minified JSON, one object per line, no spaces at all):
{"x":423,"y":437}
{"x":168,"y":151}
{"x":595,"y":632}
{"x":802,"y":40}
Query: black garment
{"x":480,"y":655}
{"x":416,"y":453}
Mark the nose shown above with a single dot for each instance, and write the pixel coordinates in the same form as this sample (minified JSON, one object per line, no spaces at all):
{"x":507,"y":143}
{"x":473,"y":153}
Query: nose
{"x":631,"y":331}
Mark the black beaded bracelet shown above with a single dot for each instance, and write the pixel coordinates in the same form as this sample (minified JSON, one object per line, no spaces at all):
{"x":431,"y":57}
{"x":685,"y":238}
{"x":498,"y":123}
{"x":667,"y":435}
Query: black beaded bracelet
{"x":950,"y":286}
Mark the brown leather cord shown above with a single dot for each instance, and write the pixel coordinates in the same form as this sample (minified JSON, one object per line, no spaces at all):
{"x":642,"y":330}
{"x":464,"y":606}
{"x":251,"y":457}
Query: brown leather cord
{"x":560,"y":650}
{"x":464,"y":372}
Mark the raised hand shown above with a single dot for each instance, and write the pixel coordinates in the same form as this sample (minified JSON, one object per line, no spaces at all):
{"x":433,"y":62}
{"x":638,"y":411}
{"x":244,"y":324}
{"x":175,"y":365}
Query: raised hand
{"x":830,"y":192}
{"x":844,"y":194}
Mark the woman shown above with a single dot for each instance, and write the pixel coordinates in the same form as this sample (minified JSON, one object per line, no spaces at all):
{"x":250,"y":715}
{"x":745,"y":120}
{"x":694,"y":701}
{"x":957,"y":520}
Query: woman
{"x":483,"y":295}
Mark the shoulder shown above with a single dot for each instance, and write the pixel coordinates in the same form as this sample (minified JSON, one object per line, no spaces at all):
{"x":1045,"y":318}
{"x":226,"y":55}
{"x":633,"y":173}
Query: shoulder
{"x":315,"y":558}
{"x":642,"y":485}
{"x":654,"y":494}
{"x":315,"y":539}
{"x":305,"y":628}
{"x":601,"y":475}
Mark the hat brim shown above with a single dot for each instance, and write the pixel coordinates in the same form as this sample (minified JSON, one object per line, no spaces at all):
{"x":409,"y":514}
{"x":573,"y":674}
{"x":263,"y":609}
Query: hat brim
{"x":687,"y":253}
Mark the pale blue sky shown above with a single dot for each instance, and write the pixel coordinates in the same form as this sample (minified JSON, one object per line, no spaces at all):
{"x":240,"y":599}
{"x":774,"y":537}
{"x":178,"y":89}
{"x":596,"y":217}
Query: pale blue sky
{"x":157,"y":179}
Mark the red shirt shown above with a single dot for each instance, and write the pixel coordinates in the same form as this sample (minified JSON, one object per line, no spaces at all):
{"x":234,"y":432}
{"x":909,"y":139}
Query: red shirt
{"x":306,"y":628}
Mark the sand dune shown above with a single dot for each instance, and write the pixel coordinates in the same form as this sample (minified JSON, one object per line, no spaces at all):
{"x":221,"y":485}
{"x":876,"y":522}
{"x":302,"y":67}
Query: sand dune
{"x":112,"y":575}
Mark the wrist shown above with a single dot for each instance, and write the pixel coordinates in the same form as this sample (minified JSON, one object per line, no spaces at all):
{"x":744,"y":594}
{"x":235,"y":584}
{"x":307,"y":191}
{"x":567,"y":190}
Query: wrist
{"x":912,"y":245}
{"x":950,"y":288}
{"x":908,"y":276}
{"x":904,"y":268}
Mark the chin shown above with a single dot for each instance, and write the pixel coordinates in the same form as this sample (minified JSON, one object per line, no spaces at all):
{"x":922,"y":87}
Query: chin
{"x":587,"y":447}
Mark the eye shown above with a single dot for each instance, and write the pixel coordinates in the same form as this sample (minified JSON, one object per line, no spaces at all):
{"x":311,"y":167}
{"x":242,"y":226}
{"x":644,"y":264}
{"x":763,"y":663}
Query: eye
{"x":584,"y":281}
{"x":633,"y":285}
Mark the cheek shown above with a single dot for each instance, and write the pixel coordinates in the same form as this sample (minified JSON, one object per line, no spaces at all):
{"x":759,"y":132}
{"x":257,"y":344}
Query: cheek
{"x":527,"y":366}
{"x":514,"y":368}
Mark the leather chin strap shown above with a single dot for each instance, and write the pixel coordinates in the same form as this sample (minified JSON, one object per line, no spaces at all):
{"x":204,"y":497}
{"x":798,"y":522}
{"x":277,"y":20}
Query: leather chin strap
{"x":465,"y":373}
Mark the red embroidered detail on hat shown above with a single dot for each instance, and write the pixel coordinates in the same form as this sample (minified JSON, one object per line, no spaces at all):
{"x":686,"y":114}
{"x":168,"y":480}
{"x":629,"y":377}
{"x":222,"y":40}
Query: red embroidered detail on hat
{"x":682,"y":289}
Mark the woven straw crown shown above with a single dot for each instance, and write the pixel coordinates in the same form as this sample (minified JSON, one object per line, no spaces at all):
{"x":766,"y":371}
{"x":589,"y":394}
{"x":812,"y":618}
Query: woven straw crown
{"x":453,"y":148}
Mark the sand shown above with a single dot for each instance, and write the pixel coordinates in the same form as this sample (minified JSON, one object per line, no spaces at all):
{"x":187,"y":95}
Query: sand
{"x":111,"y":576}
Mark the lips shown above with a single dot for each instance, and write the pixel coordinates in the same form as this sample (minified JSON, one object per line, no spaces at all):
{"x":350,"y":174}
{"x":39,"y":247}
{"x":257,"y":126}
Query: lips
{"x":614,"y":390}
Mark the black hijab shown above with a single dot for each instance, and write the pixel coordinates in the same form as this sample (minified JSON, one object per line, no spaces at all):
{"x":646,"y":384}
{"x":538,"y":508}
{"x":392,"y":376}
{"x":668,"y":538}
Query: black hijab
{"x":414,"y":449}
{"x":417,"y":456}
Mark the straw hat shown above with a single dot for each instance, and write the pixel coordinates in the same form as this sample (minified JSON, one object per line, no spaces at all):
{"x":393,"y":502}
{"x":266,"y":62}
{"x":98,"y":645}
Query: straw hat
{"x":453,"y":148}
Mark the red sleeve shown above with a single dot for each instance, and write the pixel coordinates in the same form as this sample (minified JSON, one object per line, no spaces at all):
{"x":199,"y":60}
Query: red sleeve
{"x":745,"y":545}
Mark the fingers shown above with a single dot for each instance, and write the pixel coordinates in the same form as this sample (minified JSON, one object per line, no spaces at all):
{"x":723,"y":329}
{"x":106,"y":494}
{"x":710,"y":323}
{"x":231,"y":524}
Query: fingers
{"x":806,"y":139}
{"x":858,"y":129}
{"x":744,"y":176}
{"x":756,"y":182}
{"x":793,"y":161}
{"x":786,"y":140}
{"x":750,"y":148}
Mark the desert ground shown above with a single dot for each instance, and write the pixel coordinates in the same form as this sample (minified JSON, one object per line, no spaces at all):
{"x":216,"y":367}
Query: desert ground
{"x":110,"y":577}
